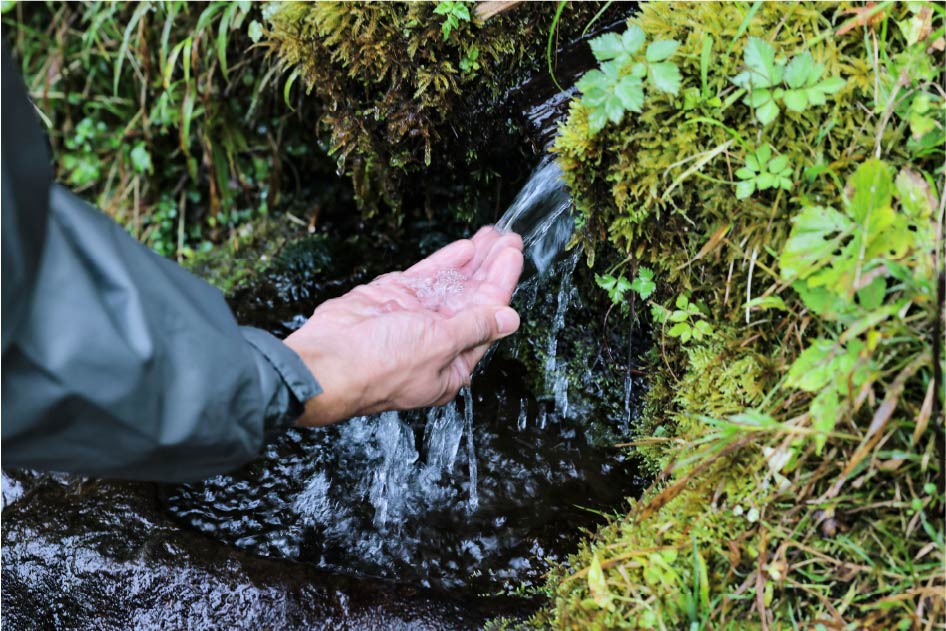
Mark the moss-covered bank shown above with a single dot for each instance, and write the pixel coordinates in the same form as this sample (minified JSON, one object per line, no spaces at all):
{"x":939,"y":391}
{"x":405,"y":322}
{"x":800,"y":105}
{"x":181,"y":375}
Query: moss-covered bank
{"x":780,"y":168}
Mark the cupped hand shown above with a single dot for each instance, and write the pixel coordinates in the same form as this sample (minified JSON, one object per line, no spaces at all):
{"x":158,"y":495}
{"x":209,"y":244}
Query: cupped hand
{"x":411,"y":339}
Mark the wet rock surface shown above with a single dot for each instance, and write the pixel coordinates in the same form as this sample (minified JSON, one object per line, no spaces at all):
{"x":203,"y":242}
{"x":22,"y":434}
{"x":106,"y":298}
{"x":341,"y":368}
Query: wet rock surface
{"x":92,"y":554}
{"x":374,"y":523}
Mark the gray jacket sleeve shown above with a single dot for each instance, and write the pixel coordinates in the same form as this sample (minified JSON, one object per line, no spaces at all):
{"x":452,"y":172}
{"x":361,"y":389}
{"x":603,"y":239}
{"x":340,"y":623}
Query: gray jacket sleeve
{"x":117,"y":362}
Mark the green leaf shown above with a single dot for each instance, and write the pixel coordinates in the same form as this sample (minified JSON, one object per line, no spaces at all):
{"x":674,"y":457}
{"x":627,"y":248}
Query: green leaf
{"x":606,"y":282}
{"x":872,"y":186}
{"x":799,"y":69}
{"x":597,"y":119}
{"x":814,"y":368}
{"x":824,"y":416}
{"x":644,"y":285}
{"x":759,"y":57}
{"x":916,"y":198}
{"x":778,"y":164}
{"x":679,"y":315}
{"x":871,"y":296}
{"x":633,"y":39}
{"x":665,"y":76}
{"x":630,"y":91}
{"x":745,"y":189}
{"x":597,"y":584}
{"x":816,"y":233}
{"x":141,"y":159}
{"x":661,"y":49}
{"x":795,"y":100}
{"x":682,"y":301}
{"x":831,"y":85}
{"x":767,"y":113}
{"x":614,"y":108}
{"x":255,"y":31}
{"x":745,"y":173}
{"x":607,"y":46}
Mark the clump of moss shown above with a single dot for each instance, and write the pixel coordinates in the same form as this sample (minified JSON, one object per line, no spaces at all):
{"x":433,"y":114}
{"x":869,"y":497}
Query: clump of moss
{"x":396,"y":93}
{"x":798,"y":445}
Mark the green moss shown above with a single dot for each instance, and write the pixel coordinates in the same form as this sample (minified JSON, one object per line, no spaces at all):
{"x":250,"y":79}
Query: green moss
{"x":395,"y":97}
{"x":781,"y":501}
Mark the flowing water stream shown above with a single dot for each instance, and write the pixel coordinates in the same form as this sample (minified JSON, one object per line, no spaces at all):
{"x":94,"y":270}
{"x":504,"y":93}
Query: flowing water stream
{"x":478,"y":495}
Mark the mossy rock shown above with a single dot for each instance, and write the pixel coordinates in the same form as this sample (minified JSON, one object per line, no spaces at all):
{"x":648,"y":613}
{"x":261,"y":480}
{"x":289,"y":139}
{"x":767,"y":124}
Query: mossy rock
{"x":395,"y":97}
{"x":760,"y":517}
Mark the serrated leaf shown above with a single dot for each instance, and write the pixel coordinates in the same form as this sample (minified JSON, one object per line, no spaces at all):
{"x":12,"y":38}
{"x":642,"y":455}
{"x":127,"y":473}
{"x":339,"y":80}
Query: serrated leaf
{"x":767,"y":113}
{"x":597,"y":119}
{"x":814,"y":368}
{"x":607,"y":46}
{"x":590,"y":80}
{"x":630,"y":91}
{"x":763,"y":154}
{"x":765,"y":181}
{"x":665,"y":76}
{"x":831,"y":85}
{"x":795,"y":100}
{"x":745,"y":189}
{"x":661,"y":49}
{"x":639,"y":70}
{"x":682,"y":302}
{"x":745,"y":173}
{"x":606,"y":281}
{"x":614,"y":108}
{"x":633,"y":39}
{"x":646,"y":273}
{"x":759,"y":57}
{"x":816,"y":233}
{"x":679,"y":316}
{"x":777,"y":164}
{"x":799,"y":69}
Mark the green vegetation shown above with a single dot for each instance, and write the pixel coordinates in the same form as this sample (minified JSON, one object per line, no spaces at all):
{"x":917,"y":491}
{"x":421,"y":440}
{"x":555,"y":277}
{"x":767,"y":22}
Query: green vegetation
{"x":792,"y":210}
{"x":404,"y":88}
{"x":770,"y":174}
{"x":162,"y":114}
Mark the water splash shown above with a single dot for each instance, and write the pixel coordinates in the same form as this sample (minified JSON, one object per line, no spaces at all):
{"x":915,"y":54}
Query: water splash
{"x":474,"y":500}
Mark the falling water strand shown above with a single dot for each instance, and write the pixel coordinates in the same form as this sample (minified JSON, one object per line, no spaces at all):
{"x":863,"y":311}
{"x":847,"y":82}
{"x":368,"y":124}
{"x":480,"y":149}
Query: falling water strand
{"x":540,"y":213}
{"x":523,"y":414}
{"x":556,"y":378}
{"x":471,"y":452}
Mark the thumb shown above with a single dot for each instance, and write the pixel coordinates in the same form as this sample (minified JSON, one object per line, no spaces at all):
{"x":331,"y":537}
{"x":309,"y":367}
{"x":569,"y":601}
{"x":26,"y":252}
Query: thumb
{"x":481,"y":324}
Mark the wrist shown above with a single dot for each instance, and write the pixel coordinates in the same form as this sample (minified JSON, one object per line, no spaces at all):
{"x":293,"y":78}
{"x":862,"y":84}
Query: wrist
{"x":340,"y":398}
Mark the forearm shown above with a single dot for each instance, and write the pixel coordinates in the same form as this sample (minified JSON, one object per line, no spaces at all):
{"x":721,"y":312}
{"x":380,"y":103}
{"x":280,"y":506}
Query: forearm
{"x":128,"y":366}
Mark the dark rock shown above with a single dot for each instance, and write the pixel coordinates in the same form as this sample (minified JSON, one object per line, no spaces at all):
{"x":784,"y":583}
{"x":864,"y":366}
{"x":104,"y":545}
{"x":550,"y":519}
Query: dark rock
{"x":92,"y":554}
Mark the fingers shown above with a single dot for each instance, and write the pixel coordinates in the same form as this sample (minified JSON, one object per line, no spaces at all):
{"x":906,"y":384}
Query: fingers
{"x":480,"y":325}
{"x":502,"y":275}
{"x":456,"y":255}
{"x":483,"y":241}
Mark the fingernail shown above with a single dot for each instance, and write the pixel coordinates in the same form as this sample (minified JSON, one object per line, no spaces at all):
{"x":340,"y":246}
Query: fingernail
{"x":508,"y":320}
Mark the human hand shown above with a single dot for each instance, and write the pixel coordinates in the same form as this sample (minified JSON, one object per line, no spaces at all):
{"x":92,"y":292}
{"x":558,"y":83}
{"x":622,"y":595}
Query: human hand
{"x":411,"y":339}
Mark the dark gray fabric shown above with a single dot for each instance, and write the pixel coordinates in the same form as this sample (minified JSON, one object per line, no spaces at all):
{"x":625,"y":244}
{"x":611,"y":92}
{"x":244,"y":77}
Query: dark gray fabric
{"x":117,"y":362}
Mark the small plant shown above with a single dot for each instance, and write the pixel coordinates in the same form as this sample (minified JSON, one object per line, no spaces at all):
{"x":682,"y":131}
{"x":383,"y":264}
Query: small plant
{"x":766,"y":74}
{"x":452,"y":13}
{"x":763,"y":171}
{"x":618,"y":86}
{"x":469,"y":63}
{"x":688,"y":318}
{"x":643,"y":285}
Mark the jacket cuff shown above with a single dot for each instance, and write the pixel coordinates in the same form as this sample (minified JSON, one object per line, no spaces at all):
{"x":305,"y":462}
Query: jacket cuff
{"x":285,"y":382}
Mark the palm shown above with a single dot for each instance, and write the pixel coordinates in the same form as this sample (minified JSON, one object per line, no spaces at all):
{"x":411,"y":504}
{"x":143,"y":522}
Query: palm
{"x":407,"y":333}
